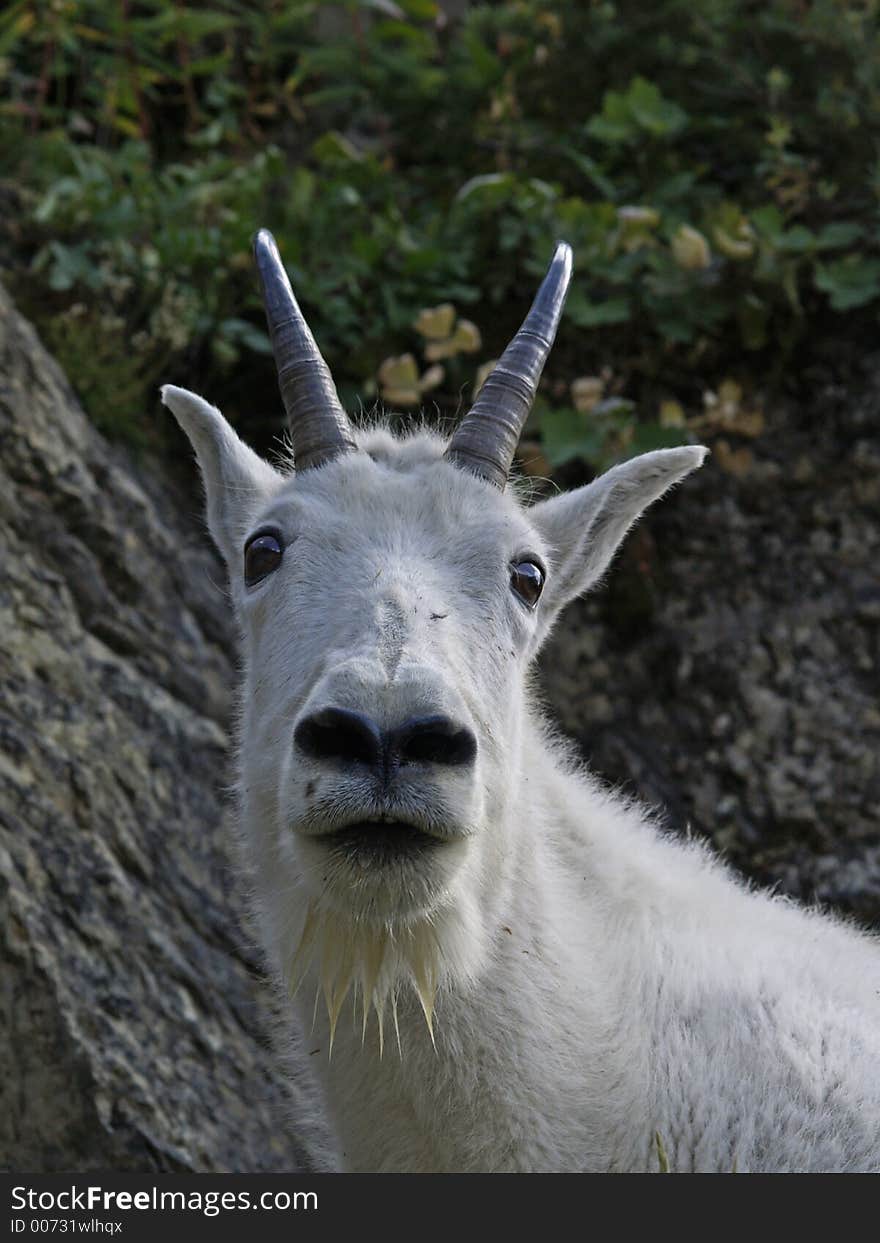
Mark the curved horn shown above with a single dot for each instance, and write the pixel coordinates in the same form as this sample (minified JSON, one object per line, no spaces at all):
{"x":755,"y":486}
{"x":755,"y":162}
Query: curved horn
{"x":319,"y":427}
{"x":486,"y":439}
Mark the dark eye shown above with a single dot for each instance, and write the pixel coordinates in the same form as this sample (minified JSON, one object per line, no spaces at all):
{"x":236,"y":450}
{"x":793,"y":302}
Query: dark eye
{"x":527,"y":580}
{"x":262,"y":555}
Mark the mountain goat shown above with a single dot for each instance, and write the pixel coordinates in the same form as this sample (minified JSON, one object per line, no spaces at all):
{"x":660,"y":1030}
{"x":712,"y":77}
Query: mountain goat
{"x":517,"y":969}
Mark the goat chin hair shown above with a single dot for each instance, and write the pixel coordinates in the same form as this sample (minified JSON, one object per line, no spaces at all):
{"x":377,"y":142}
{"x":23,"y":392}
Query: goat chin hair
{"x":354,"y":956}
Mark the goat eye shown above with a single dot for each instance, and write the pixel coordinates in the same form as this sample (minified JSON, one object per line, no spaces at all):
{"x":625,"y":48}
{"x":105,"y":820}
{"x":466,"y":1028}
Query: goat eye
{"x":527,"y":580}
{"x":262,"y":555}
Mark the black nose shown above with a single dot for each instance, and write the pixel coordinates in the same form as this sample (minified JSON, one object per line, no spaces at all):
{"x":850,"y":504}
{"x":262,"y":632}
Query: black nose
{"x":431,"y":740}
{"x":345,"y":737}
{"x":337,"y":734}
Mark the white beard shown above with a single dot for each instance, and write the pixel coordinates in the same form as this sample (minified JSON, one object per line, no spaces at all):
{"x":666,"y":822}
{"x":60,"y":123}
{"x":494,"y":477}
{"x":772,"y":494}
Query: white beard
{"x":354,"y":956}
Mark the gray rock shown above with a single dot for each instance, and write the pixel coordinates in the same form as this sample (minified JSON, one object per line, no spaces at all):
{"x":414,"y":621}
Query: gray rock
{"x":742,"y":696}
{"x":134,"y":1032}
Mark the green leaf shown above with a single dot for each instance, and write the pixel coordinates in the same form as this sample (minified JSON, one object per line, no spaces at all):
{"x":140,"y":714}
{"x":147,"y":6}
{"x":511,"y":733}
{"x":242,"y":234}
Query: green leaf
{"x":615,"y":411}
{"x":655,"y":114}
{"x":334,"y":148}
{"x":642,"y":109}
{"x":488,"y":189}
{"x":615,"y":124}
{"x":241,"y":332}
{"x":210,"y":136}
{"x":589,"y":168}
{"x":184,"y":20}
{"x":579,"y":310}
{"x":839,"y":234}
{"x":797,"y":240}
{"x":769,"y":222}
{"x":382,"y":6}
{"x":69,"y":266}
{"x":649,"y":436}
{"x":566,"y":434}
{"x":421,"y":10}
{"x":850,"y":282}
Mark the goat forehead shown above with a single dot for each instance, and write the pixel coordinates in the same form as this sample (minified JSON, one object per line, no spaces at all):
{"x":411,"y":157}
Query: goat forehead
{"x":395,"y":495}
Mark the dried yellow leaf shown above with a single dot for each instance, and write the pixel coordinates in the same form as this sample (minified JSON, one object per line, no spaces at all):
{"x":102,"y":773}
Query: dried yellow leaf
{"x":467,"y":336}
{"x":736,"y":244}
{"x":432,"y":377}
{"x":671,"y":414}
{"x":401,"y":396}
{"x":690,"y":249}
{"x":586,"y":392}
{"x":737,"y":462}
{"x":646,"y":217}
{"x":435,"y":322}
{"x":399,"y":372}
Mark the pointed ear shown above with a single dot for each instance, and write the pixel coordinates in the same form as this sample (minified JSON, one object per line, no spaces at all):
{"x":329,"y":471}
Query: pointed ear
{"x":583,"y":529}
{"x":237,"y":481}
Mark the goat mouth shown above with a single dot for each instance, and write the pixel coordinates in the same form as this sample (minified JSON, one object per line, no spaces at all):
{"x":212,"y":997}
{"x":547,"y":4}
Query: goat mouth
{"x":377,"y":841}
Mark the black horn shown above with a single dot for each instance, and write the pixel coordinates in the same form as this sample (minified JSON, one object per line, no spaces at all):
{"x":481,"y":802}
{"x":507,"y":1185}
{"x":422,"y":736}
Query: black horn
{"x":486,"y":439}
{"x":319,"y":427}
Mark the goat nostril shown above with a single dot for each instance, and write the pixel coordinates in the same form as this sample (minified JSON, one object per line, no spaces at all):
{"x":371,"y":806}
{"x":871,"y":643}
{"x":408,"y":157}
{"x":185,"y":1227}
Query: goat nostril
{"x":337,"y":734}
{"x":434,"y":740}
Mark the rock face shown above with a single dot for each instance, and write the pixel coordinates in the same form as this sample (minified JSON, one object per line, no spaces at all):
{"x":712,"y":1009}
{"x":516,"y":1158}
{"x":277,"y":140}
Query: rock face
{"x":133,"y":1031}
{"x":727,"y":670}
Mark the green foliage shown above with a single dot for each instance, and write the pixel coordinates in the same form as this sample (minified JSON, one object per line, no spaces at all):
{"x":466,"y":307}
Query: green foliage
{"x":636,"y":115}
{"x":714,"y":167}
{"x":608,"y":432}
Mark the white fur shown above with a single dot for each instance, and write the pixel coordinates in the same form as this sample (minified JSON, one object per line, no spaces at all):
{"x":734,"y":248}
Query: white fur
{"x":592,"y":983}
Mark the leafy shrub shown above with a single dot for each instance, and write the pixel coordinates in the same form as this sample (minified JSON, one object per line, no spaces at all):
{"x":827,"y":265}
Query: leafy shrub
{"x":713,"y":165}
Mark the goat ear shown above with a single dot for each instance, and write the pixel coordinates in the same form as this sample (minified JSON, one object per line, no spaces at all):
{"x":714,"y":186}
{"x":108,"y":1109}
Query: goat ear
{"x":236,"y":480}
{"x":583,"y":529}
